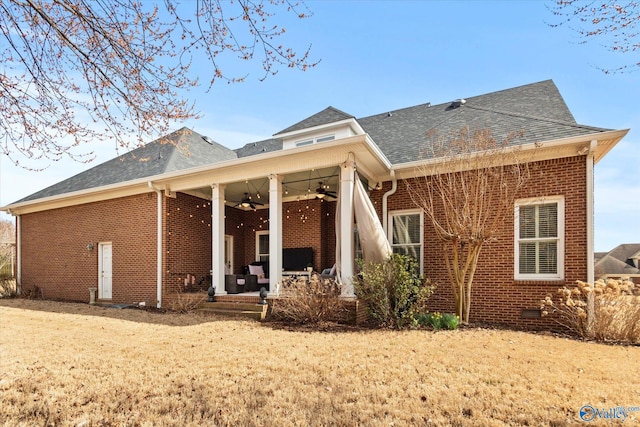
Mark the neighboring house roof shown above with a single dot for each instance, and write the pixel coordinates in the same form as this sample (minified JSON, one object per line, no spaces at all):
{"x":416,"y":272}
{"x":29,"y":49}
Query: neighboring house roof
{"x":536,"y":109}
{"x":182,"y":149}
{"x":324,"y":117}
{"x":619,"y":261}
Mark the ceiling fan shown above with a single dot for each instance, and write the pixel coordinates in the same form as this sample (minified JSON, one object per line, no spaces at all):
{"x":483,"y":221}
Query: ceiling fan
{"x":323,"y":191}
{"x":246,"y":202}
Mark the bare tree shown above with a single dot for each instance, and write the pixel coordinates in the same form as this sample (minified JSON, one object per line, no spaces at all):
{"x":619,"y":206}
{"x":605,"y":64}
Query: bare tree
{"x":467,"y":189}
{"x":614,"y":24}
{"x":86,"y":70}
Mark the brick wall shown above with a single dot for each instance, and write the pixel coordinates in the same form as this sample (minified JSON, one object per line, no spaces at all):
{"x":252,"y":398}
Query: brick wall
{"x":187,"y":240}
{"x":496,"y":297}
{"x":55,"y":255}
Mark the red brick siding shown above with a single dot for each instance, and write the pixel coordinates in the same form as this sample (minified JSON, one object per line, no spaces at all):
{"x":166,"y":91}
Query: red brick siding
{"x":55,"y":255}
{"x":187,"y":240}
{"x":496,"y":297}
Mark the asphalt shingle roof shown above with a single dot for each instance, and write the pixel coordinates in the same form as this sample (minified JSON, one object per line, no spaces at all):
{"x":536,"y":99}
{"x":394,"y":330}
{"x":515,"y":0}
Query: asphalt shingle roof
{"x":326,"y":116}
{"x":618,"y":260}
{"x":537,"y":110}
{"x":182,"y":149}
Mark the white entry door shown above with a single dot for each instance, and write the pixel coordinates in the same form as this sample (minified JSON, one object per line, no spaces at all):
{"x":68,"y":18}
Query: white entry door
{"x":105,"y":271}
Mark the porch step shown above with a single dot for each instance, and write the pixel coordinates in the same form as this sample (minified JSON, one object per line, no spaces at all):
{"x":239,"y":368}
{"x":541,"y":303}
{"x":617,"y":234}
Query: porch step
{"x":234,"y":309}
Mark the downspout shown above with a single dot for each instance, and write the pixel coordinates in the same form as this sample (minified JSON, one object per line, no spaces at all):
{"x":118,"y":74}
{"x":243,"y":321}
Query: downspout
{"x":159,"y":244}
{"x":385,"y":196}
{"x":590,"y":212}
{"x":18,"y":254}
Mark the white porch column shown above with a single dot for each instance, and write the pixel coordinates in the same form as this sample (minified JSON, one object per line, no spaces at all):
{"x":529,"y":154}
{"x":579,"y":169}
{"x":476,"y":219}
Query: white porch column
{"x":275,"y":232}
{"x":18,"y":255}
{"x":217,"y":238}
{"x":347,"y":177}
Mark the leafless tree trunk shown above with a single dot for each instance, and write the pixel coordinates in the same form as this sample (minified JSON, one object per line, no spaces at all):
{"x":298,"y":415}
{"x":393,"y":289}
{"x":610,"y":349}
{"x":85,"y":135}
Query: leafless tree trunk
{"x":467,"y":189}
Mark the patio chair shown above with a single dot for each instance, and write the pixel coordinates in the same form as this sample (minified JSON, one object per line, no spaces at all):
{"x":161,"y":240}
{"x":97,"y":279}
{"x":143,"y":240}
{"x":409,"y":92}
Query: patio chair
{"x":234,"y":283}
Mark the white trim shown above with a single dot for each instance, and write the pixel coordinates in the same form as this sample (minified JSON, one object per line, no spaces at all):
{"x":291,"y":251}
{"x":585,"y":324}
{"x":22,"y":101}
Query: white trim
{"x":533,"y":152}
{"x":275,"y":232}
{"x":590,"y":214}
{"x":228,"y":241}
{"x":261,"y":233}
{"x":18,"y":255}
{"x":405,"y":212}
{"x":217,"y":238}
{"x":353,"y":124}
{"x":371,"y":161}
{"x":534,"y":201}
{"x":158,"y":245}
{"x":101,"y":246}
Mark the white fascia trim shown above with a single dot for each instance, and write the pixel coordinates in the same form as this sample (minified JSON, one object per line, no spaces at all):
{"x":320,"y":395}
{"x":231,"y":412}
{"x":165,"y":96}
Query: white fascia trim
{"x":557,"y":148}
{"x":239,"y":168}
{"x":353,"y":123}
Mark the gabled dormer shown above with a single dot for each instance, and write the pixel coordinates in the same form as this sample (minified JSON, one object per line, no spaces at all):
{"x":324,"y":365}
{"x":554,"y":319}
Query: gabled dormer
{"x":327,"y":125}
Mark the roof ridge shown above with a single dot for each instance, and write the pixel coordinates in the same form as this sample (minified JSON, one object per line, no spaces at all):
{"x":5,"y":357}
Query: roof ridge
{"x":542,"y":119}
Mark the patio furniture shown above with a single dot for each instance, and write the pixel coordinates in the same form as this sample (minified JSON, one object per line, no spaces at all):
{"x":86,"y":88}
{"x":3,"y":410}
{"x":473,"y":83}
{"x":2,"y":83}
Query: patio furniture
{"x":234,"y":283}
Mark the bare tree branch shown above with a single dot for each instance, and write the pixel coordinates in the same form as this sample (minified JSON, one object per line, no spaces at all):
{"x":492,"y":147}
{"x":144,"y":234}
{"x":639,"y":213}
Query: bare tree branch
{"x":614,"y":24}
{"x":93,"y":70}
{"x":467,"y":190}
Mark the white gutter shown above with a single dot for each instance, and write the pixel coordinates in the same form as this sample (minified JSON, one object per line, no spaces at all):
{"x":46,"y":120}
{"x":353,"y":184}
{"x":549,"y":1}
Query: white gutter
{"x":590,"y":212}
{"x":159,"y":244}
{"x":536,"y":146}
{"x":394,"y":187}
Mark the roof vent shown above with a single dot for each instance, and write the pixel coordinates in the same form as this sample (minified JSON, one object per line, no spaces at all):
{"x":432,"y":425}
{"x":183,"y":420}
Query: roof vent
{"x":428,"y":104}
{"x":389,"y":114}
{"x":458,"y":103}
{"x":208,"y":140}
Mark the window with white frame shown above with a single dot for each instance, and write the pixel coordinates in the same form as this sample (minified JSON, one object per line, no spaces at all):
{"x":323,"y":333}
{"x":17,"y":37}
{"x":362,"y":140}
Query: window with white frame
{"x":539,"y":239}
{"x":406,"y":233}
{"x":262,"y":246}
{"x":317,"y":139}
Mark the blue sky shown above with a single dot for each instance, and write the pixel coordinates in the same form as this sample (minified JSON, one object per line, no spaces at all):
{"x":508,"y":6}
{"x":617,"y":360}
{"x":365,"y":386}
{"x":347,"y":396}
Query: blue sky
{"x":379,"y":56}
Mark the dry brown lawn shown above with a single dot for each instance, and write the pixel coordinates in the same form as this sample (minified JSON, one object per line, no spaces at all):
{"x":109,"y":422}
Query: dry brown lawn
{"x":73,"y":364}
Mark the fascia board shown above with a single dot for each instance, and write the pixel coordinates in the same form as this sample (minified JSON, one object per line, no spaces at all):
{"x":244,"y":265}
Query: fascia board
{"x":306,"y":131}
{"x":327,"y":154}
{"x":538,"y":151}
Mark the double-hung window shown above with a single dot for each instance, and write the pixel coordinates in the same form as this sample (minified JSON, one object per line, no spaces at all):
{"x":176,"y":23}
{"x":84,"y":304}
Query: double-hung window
{"x":539,"y":239}
{"x":406,"y":233}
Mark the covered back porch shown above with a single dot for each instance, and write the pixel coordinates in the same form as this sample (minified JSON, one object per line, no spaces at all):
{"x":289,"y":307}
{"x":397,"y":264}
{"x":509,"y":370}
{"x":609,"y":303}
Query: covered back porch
{"x":214,"y":224}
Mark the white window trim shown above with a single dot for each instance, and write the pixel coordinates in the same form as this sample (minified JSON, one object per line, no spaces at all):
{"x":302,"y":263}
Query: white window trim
{"x":258,"y":234}
{"x":315,"y":140}
{"x":516,"y":238}
{"x":393,"y":214}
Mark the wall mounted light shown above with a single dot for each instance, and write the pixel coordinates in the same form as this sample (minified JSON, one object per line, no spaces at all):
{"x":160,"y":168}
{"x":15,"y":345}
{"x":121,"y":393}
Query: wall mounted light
{"x":90,"y":247}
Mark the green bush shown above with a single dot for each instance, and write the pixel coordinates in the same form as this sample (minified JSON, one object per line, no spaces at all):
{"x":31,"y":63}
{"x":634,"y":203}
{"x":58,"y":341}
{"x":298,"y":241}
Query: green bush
{"x":393,"y":290}
{"x":437,"y":321}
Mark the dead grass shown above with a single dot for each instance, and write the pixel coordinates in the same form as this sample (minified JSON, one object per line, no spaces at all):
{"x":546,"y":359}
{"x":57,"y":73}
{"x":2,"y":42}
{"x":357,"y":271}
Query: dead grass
{"x":73,"y":364}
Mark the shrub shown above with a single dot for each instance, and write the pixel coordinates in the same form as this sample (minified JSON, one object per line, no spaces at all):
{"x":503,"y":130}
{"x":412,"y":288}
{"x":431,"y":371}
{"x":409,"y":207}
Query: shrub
{"x":185,"y":302}
{"x":393,"y":290}
{"x":437,"y":321}
{"x":313,"y":301}
{"x":606,"y":310}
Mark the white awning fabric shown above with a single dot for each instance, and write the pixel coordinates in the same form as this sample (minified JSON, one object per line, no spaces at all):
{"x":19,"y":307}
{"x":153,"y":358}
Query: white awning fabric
{"x":373,"y":241}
